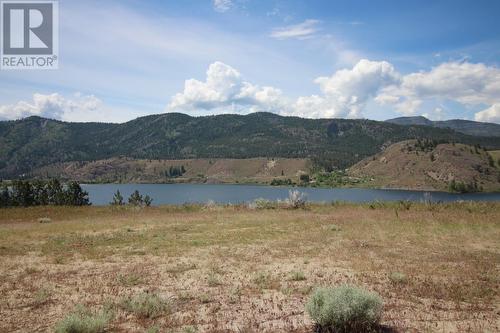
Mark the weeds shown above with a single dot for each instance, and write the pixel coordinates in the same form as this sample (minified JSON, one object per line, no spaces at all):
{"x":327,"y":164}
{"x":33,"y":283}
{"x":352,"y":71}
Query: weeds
{"x":146,"y":305}
{"x":129,"y":280}
{"x":334,"y":227}
{"x":42,"y":296}
{"x":205,"y":298}
{"x":83,"y":320}
{"x":265,"y":281}
{"x":213,"y":280}
{"x":398,"y":278}
{"x":261,"y":203}
{"x":297,"y":276}
{"x":405,"y":204}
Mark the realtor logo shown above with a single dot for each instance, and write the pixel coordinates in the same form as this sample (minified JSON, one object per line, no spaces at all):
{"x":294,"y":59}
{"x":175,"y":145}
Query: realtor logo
{"x":29,"y":34}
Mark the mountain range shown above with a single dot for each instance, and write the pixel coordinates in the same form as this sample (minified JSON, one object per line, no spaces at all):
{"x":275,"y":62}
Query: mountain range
{"x":463,"y":126}
{"x":34,"y":142}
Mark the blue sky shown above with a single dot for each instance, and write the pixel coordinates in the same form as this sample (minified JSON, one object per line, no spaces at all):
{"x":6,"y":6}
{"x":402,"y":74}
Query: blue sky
{"x":356,"y":59}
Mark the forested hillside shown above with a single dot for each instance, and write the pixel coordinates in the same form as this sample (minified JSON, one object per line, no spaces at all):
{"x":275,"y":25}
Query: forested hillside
{"x":331,"y":143}
{"x":463,"y":126}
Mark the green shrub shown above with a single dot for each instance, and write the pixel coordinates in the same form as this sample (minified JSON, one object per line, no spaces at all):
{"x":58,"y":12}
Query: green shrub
{"x":281,"y":182}
{"x":213,"y":280}
{"x":297,"y":276}
{"x":261,"y":203}
{"x":334,"y":227}
{"x":117,"y":199}
{"x":264,"y":280}
{"x":42,"y":296}
{"x":146,"y":305}
{"x":344,"y":309}
{"x":398,"y":278}
{"x":83,"y":320}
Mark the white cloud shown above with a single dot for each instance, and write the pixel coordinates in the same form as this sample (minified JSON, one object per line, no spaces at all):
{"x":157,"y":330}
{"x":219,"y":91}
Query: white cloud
{"x":52,"y":106}
{"x":344,"y":94}
{"x":437,"y":114}
{"x":466,"y":83}
{"x":224,"y":90}
{"x":302,"y":30}
{"x":491,"y":114}
{"x":347,"y":91}
{"x":222,"y":5}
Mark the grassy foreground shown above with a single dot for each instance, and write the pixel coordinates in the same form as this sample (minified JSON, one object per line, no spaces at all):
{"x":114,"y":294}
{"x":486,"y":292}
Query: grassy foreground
{"x":235,"y":269}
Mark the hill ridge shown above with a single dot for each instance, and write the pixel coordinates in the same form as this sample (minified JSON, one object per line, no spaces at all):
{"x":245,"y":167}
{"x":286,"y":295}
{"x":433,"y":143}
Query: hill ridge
{"x":31,"y":143}
{"x":469,"y":127}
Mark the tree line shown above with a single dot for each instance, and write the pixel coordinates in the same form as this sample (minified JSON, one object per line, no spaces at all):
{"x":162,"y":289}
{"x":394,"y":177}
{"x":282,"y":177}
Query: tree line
{"x":135,"y":199}
{"x":25,"y":193}
{"x":175,"y":171}
{"x":462,"y":187}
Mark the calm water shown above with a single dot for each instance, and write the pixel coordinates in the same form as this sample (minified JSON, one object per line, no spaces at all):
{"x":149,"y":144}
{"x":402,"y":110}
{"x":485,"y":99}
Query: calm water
{"x":102,"y":194}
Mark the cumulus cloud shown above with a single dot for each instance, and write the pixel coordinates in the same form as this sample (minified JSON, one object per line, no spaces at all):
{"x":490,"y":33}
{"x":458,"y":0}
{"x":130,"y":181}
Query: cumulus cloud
{"x":224,"y":90}
{"x":302,"y":30}
{"x":222,"y":5}
{"x":52,"y":106}
{"x":437,"y":114}
{"x":466,"y":83}
{"x":347,"y":91}
{"x":491,"y":114}
{"x":344,"y":94}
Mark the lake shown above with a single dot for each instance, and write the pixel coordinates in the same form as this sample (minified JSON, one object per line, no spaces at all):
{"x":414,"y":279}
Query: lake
{"x":102,"y":194}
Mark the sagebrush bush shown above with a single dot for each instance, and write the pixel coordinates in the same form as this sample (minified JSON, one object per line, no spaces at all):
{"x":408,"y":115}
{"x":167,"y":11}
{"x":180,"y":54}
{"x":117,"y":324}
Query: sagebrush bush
{"x":146,"y":305}
{"x":344,"y":309}
{"x":398,"y":278}
{"x":42,"y":296}
{"x":83,"y":320}
{"x":334,"y":227}
{"x":297,"y":276}
{"x":261,"y":203}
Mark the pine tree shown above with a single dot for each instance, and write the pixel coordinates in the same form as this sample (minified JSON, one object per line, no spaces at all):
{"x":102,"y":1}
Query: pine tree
{"x":117,"y":199}
{"x":5,"y":200}
{"x":55,"y":192}
{"x":22,"y":193}
{"x":148,"y":200}
{"x":75,"y":196}
{"x":40,"y":193}
{"x":135,"y":199}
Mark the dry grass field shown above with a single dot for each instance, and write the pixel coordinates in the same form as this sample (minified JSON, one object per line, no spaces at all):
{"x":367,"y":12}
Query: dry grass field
{"x":235,"y":269}
{"x":495,"y":154}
